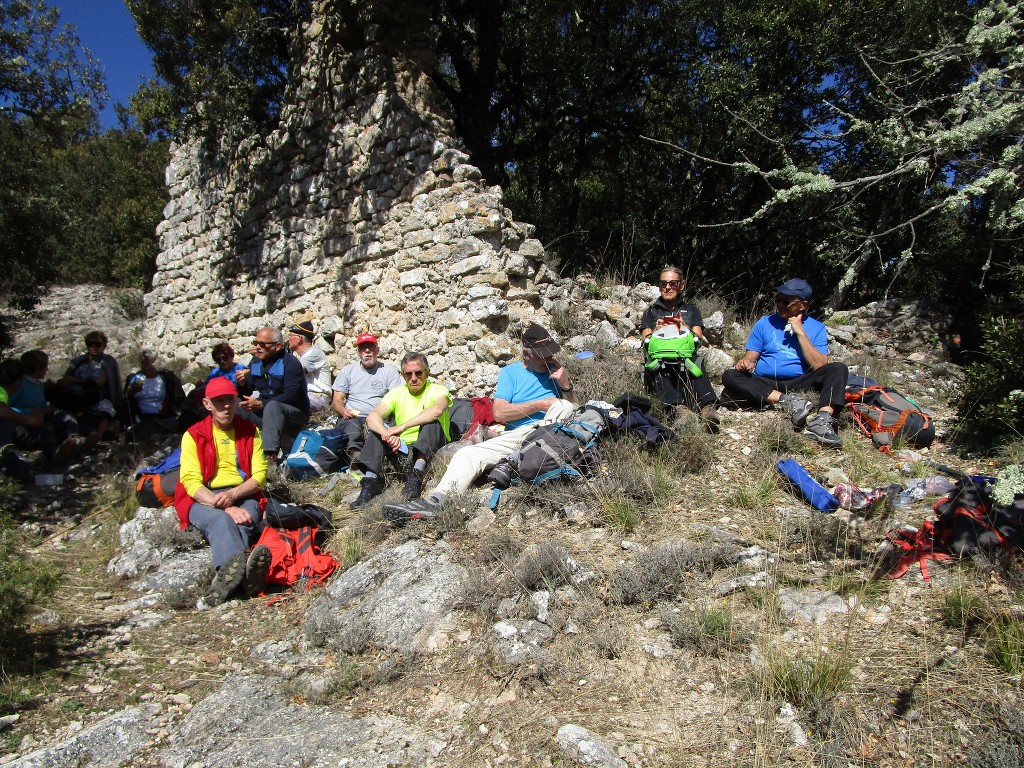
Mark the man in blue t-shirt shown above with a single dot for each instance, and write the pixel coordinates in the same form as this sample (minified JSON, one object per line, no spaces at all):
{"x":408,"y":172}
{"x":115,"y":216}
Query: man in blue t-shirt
{"x":528,"y":392}
{"x":787,"y":352}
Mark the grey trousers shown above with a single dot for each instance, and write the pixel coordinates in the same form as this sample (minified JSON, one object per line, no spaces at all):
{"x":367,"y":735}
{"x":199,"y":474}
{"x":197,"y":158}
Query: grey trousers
{"x":275,"y":419}
{"x":224,"y":535}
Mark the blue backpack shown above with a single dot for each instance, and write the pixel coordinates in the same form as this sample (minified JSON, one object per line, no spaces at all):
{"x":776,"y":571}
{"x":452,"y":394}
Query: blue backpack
{"x":154,"y":486}
{"x":315,"y":453}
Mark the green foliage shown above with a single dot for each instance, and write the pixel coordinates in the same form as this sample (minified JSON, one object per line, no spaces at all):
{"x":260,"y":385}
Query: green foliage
{"x":74,"y":204}
{"x":991,"y":406}
{"x":219,"y":64}
{"x":23,"y":582}
{"x":1004,"y":643}
{"x":806,"y":680}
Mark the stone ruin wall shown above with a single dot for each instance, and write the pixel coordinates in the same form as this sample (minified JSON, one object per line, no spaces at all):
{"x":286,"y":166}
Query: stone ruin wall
{"x":361,"y":211}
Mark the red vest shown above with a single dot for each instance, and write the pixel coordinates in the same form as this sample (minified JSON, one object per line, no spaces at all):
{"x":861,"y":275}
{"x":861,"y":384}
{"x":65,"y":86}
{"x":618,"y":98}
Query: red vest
{"x":202,"y":433}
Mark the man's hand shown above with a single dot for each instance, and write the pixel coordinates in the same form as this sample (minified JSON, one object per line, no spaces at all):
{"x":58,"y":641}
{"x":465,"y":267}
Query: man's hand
{"x":559,"y":375}
{"x":391,"y":437}
{"x":239,"y":515}
{"x":225,"y":499}
{"x":796,"y":322}
{"x":347,"y":413}
{"x":249,"y":403}
{"x":745,"y":365}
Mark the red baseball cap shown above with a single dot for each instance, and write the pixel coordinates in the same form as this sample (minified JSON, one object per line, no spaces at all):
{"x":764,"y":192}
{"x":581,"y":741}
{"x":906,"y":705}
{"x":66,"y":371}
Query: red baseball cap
{"x":221,"y":386}
{"x":366,"y":338}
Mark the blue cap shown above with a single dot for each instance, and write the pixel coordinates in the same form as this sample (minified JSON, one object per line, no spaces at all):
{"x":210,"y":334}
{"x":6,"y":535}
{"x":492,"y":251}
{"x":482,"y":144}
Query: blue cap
{"x":796,"y":287}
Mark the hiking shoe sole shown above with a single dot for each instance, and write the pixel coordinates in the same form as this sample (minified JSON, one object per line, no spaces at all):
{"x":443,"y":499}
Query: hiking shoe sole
{"x":821,"y":430}
{"x":256,"y":568}
{"x":400,"y":514}
{"x":226,"y":580}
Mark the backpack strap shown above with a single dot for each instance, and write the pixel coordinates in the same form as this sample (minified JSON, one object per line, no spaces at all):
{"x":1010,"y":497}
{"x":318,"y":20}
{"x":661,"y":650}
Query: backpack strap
{"x":918,"y":547}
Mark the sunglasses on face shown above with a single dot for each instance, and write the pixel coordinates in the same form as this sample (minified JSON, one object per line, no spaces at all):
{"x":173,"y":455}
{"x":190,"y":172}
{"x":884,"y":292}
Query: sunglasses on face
{"x":415,"y":374}
{"x":264,"y":344}
{"x":95,"y":345}
{"x":787,"y":301}
{"x":668,"y":283}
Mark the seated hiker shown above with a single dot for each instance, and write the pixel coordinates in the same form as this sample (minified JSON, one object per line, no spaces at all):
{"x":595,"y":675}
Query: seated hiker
{"x":90,"y":388}
{"x":14,"y":425}
{"x":315,"y":366}
{"x":224,"y":357}
{"x":533,"y":391}
{"x":274,"y":392}
{"x":419,"y":409}
{"x":152,"y":397}
{"x":359,"y":388}
{"x":219,"y":492}
{"x":58,"y":437}
{"x":676,"y":379}
{"x":787,"y":353}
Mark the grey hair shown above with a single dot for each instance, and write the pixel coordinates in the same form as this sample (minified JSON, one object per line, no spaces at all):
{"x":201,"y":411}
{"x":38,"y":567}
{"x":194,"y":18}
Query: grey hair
{"x":147,"y":354}
{"x":275,"y":334}
{"x":413,"y":357}
{"x":671,"y":268}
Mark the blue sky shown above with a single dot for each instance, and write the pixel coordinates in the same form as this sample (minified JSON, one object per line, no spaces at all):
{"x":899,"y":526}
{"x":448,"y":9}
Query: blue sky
{"x":107,"y":29}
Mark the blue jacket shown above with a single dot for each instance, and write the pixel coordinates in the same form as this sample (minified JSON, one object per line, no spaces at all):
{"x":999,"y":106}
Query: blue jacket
{"x":279,"y":379}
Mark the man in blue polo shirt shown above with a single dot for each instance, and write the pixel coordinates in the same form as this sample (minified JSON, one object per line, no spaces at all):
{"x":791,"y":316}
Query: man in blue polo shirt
{"x":787,"y":353}
{"x":528,"y":392}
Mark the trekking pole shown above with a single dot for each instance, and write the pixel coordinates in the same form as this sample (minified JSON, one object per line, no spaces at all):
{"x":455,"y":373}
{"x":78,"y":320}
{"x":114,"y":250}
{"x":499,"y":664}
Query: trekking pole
{"x":946,"y":469}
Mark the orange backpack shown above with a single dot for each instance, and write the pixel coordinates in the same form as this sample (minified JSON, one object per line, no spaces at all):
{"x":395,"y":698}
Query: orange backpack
{"x":295,"y":557}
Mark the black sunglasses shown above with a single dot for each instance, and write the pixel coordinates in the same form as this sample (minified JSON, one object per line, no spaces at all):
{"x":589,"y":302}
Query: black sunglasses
{"x":415,"y":374}
{"x":668,"y":283}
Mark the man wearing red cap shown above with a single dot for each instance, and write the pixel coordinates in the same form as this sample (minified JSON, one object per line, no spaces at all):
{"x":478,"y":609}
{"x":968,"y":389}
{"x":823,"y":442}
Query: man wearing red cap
{"x":359,"y":388}
{"x":219,"y":491}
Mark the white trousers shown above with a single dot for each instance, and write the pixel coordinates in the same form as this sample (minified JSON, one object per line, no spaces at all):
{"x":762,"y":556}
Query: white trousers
{"x":471,"y":462}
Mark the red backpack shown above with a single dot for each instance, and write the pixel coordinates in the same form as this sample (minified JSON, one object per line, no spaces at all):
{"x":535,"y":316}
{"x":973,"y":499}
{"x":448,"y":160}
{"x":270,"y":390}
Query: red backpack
{"x":295,"y":557}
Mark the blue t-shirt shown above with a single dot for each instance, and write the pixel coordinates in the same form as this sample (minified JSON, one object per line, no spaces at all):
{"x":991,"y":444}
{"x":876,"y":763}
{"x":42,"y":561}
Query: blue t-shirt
{"x":29,"y":396}
{"x":780,"y":351}
{"x":519,"y":385}
{"x":228,"y":374}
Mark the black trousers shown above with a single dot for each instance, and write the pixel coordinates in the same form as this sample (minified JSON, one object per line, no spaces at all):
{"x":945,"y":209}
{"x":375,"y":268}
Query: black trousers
{"x":675,"y":385}
{"x":430,"y":440}
{"x":752,"y":390}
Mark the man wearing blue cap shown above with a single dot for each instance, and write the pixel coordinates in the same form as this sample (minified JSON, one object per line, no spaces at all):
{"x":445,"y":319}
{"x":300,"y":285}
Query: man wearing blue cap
{"x":787,"y":353}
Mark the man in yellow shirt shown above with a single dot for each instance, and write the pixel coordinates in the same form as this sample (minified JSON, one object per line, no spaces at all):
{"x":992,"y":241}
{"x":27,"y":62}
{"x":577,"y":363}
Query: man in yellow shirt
{"x":223,"y":469}
{"x":419,"y":410}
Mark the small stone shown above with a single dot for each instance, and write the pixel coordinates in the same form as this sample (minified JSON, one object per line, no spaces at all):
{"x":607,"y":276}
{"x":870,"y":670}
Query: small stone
{"x":103,"y":596}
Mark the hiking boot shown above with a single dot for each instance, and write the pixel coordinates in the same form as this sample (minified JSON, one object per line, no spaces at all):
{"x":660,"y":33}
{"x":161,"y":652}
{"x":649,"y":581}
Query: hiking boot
{"x":413,"y":485}
{"x":797,"y":408}
{"x":822,"y":429}
{"x":400,"y":514}
{"x":709,"y":415}
{"x":502,"y":474}
{"x":369,"y":489}
{"x":226,"y":580}
{"x":256,"y":568}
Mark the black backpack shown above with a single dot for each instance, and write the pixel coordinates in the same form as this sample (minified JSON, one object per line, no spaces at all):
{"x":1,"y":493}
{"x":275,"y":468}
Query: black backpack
{"x":564,"y":448}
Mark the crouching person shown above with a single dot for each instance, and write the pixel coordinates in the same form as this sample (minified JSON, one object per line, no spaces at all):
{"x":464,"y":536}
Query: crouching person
{"x":419,"y":409}
{"x":219,"y":491}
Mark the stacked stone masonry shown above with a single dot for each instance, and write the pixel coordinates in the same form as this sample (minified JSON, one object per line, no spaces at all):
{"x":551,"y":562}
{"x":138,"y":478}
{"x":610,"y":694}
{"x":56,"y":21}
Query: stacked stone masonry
{"x":362,"y":212}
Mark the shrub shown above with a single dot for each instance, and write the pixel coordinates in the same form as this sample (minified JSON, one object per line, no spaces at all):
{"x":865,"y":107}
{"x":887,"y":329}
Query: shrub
{"x":805,"y":681}
{"x":711,"y":630}
{"x":665,"y":571}
{"x":23,"y":582}
{"x":1004,"y":645}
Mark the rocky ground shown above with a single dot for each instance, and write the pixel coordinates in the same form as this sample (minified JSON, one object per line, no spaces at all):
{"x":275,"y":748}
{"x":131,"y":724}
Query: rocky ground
{"x":686,"y":611}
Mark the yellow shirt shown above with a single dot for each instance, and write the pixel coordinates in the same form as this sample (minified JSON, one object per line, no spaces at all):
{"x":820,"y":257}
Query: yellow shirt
{"x":227,"y":475}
